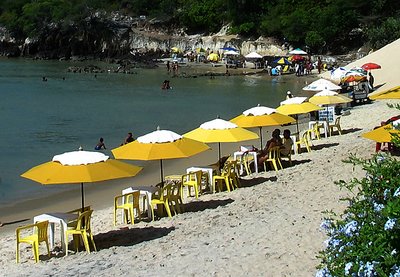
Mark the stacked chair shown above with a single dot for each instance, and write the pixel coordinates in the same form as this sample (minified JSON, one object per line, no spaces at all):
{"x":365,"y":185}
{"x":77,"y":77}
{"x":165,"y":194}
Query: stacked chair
{"x":129,"y":203}
{"x":81,"y":228}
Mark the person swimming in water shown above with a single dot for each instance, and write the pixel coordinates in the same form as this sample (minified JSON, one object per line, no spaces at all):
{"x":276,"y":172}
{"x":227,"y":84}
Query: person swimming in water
{"x":165,"y":85}
{"x":100,"y":145}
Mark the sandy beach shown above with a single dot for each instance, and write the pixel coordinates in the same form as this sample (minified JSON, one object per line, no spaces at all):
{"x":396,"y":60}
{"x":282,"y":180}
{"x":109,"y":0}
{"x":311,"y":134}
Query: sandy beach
{"x":268,"y":227}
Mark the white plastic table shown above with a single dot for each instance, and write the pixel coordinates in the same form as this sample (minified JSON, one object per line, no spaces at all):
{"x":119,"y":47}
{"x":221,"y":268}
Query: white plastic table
{"x":237,"y":155}
{"x":207,"y":169}
{"x":57,"y":218}
{"x":145,"y":192}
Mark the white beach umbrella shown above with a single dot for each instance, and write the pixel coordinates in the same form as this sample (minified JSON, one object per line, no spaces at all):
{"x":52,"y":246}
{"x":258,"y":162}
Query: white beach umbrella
{"x":321,"y":84}
{"x":231,"y":52}
{"x":294,"y":100}
{"x":338,"y":73}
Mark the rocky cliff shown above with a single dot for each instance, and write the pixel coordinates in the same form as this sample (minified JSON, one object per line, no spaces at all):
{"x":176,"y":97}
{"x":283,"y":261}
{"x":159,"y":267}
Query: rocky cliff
{"x":116,"y":36}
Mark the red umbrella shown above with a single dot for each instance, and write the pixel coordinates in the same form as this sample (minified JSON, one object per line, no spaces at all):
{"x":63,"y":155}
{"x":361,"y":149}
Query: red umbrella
{"x":370,"y":66}
{"x":297,"y":58}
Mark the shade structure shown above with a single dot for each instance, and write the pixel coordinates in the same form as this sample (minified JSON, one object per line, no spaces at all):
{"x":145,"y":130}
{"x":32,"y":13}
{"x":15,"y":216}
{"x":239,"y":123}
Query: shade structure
{"x":338,"y":73}
{"x":219,"y":130}
{"x":253,"y":55}
{"x":353,"y":78}
{"x":159,"y":145}
{"x":261,"y":116}
{"x":86,"y":167}
{"x":321,"y":84}
{"x":297,"y":107}
{"x":213,"y":57}
{"x":229,"y":49}
{"x":282,"y":61}
{"x":381,"y":134}
{"x":328,"y":97}
{"x":297,"y":51}
{"x":370,"y":66}
{"x":231,"y":52}
{"x":393,"y":93}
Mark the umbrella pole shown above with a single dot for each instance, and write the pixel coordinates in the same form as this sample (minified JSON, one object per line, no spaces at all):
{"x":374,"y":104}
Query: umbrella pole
{"x":261,"y":144}
{"x":162,"y":174}
{"x":219,"y":151}
{"x":82,"y":197}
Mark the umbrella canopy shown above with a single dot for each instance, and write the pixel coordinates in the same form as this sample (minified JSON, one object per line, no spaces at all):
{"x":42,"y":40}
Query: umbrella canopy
{"x":370,"y":66}
{"x":296,"y":106}
{"x":219,"y":130}
{"x":80,"y":167}
{"x":261,"y":116}
{"x":229,"y":49}
{"x":253,"y":55}
{"x":159,"y":145}
{"x":328,"y":97}
{"x":282,"y":61}
{"x":338,"y":73}
{"x":393,"y":93}
{"x":349,"y":78}
{"x":381,"y":134}
{"x":321,"y":84}
{"x":233,"y":53}
{"x":213,"y":57}
{"x":297,"y":51}
{"x":176,"y":50}
{"x":296,"y":58}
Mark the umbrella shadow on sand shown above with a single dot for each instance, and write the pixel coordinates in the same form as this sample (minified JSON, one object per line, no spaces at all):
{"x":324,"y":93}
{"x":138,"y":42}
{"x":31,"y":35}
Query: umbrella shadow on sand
{"x":197,"y":206}
{"x":130,"y":236}
{"x":324,"y":145}
{"x":245,"y":183}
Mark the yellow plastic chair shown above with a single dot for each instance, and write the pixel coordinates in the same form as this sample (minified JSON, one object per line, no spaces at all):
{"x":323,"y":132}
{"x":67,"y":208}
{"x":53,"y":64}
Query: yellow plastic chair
{"x":224,"y":177}
{"x":244,"y":162}
{"x":273,"y":158}
{"x":176,"y":198}
{"x":305,"y":139}
{"x":39,"y":235}
{"x":335,"y":125}
{"x":83,"y":230}
{"x":161,"y":200}
{"x":192,"y":179}
{"x":234,"y":175}
{"x":128,"y":203}
{"x":315,"y":129}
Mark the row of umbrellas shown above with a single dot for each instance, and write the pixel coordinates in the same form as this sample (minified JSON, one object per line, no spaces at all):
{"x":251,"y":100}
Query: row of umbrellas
{"x":86,"y":166}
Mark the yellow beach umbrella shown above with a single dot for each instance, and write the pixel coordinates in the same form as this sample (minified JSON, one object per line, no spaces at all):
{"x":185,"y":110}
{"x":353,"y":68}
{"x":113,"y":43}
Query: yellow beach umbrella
{"x":393,"y":93}
{"x":295,"y":106}
{"x":219,"y":130}
{"x":80,"y":167}
{"x":159,"y":145}
{"x":261,"y":116}
{"x":328,"y":97}
{"x":175,"y":50}
{"x":381,"y":134}
{"x":213,"y":57}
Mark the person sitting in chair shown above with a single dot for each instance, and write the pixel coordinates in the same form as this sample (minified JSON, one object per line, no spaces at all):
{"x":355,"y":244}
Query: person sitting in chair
{"x":286,"y":147}
{"x":274,"y":141}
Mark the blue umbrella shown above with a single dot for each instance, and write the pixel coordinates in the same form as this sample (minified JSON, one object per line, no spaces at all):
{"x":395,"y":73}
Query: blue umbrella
{"x":229,"y":49}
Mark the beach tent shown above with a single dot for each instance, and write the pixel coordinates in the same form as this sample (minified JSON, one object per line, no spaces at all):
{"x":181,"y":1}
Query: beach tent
{"x":253,"y":55}
{"x":297,"y":51}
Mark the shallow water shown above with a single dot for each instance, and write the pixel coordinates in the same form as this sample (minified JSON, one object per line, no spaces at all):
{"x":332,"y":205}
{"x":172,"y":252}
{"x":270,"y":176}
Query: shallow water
{"x":40,"y":119}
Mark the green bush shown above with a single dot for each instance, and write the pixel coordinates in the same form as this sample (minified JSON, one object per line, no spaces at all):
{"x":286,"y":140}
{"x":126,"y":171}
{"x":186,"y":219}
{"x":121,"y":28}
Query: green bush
{"x":365,"y":239}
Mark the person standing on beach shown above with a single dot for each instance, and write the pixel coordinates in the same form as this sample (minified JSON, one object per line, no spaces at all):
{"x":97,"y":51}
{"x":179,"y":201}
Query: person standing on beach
{"x":319,"y":65}
{"x":371,"y":81}
{"x":100,"y":145}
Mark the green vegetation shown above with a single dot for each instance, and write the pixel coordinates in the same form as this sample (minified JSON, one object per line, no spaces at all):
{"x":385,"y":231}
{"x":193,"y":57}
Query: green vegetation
{"x":320,"y":24}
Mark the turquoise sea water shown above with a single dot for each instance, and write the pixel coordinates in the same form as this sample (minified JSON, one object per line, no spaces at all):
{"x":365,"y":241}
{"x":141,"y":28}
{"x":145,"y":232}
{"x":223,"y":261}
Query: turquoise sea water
{"x":40,"y":119}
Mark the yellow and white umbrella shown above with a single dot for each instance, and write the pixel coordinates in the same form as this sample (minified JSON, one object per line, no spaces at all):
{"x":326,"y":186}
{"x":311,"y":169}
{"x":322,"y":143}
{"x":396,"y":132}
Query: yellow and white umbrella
{"x":328,"y":97}
{"x":261,"y":116}
{"x":219,"y":130}
{"x":393,"y":93}
{"x":159,"y":145}
{"x":80,"y":167}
